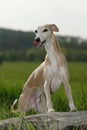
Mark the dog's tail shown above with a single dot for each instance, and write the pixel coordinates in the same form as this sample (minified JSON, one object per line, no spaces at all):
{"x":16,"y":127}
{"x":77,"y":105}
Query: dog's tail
{"x":13,"y":110}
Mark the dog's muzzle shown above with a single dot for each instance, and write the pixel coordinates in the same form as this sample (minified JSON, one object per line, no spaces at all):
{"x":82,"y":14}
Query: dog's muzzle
{"x":38,"y":43}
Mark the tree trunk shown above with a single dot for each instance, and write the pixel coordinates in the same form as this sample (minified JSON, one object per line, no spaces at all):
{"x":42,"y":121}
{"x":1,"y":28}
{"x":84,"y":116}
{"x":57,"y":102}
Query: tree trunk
{"x":50,"y":121}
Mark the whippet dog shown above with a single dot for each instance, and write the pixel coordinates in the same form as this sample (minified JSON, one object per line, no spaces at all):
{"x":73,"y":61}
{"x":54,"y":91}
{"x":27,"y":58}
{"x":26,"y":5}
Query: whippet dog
{"x":47,"y":77}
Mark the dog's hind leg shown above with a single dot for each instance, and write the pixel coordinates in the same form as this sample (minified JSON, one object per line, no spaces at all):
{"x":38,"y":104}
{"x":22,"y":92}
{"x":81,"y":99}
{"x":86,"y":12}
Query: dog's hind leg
{"x":23,"y":103}
{"x":41,"y":105}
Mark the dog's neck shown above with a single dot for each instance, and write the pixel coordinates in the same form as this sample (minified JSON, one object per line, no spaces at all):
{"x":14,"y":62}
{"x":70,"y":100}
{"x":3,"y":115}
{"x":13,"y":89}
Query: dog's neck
{"x":53,"y":50}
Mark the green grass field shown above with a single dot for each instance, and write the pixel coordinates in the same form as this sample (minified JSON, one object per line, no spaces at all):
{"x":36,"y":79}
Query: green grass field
{"x":14,"y":74}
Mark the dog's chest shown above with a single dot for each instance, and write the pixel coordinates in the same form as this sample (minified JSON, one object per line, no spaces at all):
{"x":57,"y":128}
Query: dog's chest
{"x":54,"y":70}
{"x":55,"y":73}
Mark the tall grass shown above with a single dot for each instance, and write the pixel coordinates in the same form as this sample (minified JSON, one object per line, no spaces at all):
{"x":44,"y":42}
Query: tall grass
{"x":13,"y":76}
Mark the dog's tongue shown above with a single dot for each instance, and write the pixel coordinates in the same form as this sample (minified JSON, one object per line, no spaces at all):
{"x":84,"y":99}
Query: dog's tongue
{"x":36,"y":43}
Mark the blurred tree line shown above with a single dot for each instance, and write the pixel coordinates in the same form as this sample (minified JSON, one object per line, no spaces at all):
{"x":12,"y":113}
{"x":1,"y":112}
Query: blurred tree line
{"x":18,"y":46}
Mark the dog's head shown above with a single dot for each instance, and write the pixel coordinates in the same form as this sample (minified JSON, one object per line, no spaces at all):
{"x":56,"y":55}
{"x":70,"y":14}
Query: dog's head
{"x":44,"y":34}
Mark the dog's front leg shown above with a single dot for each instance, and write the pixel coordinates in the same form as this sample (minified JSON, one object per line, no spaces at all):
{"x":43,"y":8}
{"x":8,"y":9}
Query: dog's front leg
{"x":69,"y":96}
{"x":48,"y":96}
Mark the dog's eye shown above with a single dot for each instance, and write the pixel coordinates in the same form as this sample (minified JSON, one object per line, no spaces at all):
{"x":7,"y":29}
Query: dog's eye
{"x":35,"y":31}
{"x":45,"y":30}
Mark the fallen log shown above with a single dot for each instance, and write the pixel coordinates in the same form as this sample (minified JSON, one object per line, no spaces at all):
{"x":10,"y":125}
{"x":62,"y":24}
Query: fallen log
{"x":50,"y":121}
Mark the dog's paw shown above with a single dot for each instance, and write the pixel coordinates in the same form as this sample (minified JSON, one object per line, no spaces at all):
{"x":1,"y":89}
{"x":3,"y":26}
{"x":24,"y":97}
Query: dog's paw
{"x":51,"y":110}
{"x":73,"y":110}
{"x":72,"y":107}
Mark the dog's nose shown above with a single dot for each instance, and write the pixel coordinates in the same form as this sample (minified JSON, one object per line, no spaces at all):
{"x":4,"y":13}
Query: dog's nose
{"x":37,"y":39}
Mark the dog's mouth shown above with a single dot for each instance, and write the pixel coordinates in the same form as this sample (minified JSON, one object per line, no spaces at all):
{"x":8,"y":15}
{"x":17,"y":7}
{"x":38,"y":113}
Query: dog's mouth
{"x":39,"y":44}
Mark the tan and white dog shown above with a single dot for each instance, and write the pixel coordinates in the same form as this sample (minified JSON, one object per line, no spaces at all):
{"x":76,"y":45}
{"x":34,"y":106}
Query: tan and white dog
{"x":47,"y":77}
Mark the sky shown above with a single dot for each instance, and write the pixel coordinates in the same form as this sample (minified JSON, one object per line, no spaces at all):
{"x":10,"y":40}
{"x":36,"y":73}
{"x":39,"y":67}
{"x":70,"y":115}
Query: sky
{"x":69,"y":15}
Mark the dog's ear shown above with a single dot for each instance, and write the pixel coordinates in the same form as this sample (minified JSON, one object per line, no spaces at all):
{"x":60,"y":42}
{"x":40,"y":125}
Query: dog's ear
{"x":54,"y":28}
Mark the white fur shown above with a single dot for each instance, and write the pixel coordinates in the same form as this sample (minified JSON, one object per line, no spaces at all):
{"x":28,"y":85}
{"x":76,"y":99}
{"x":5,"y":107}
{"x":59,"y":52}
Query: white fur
{"x":55,"y":73}
{"x":47,"y":77}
